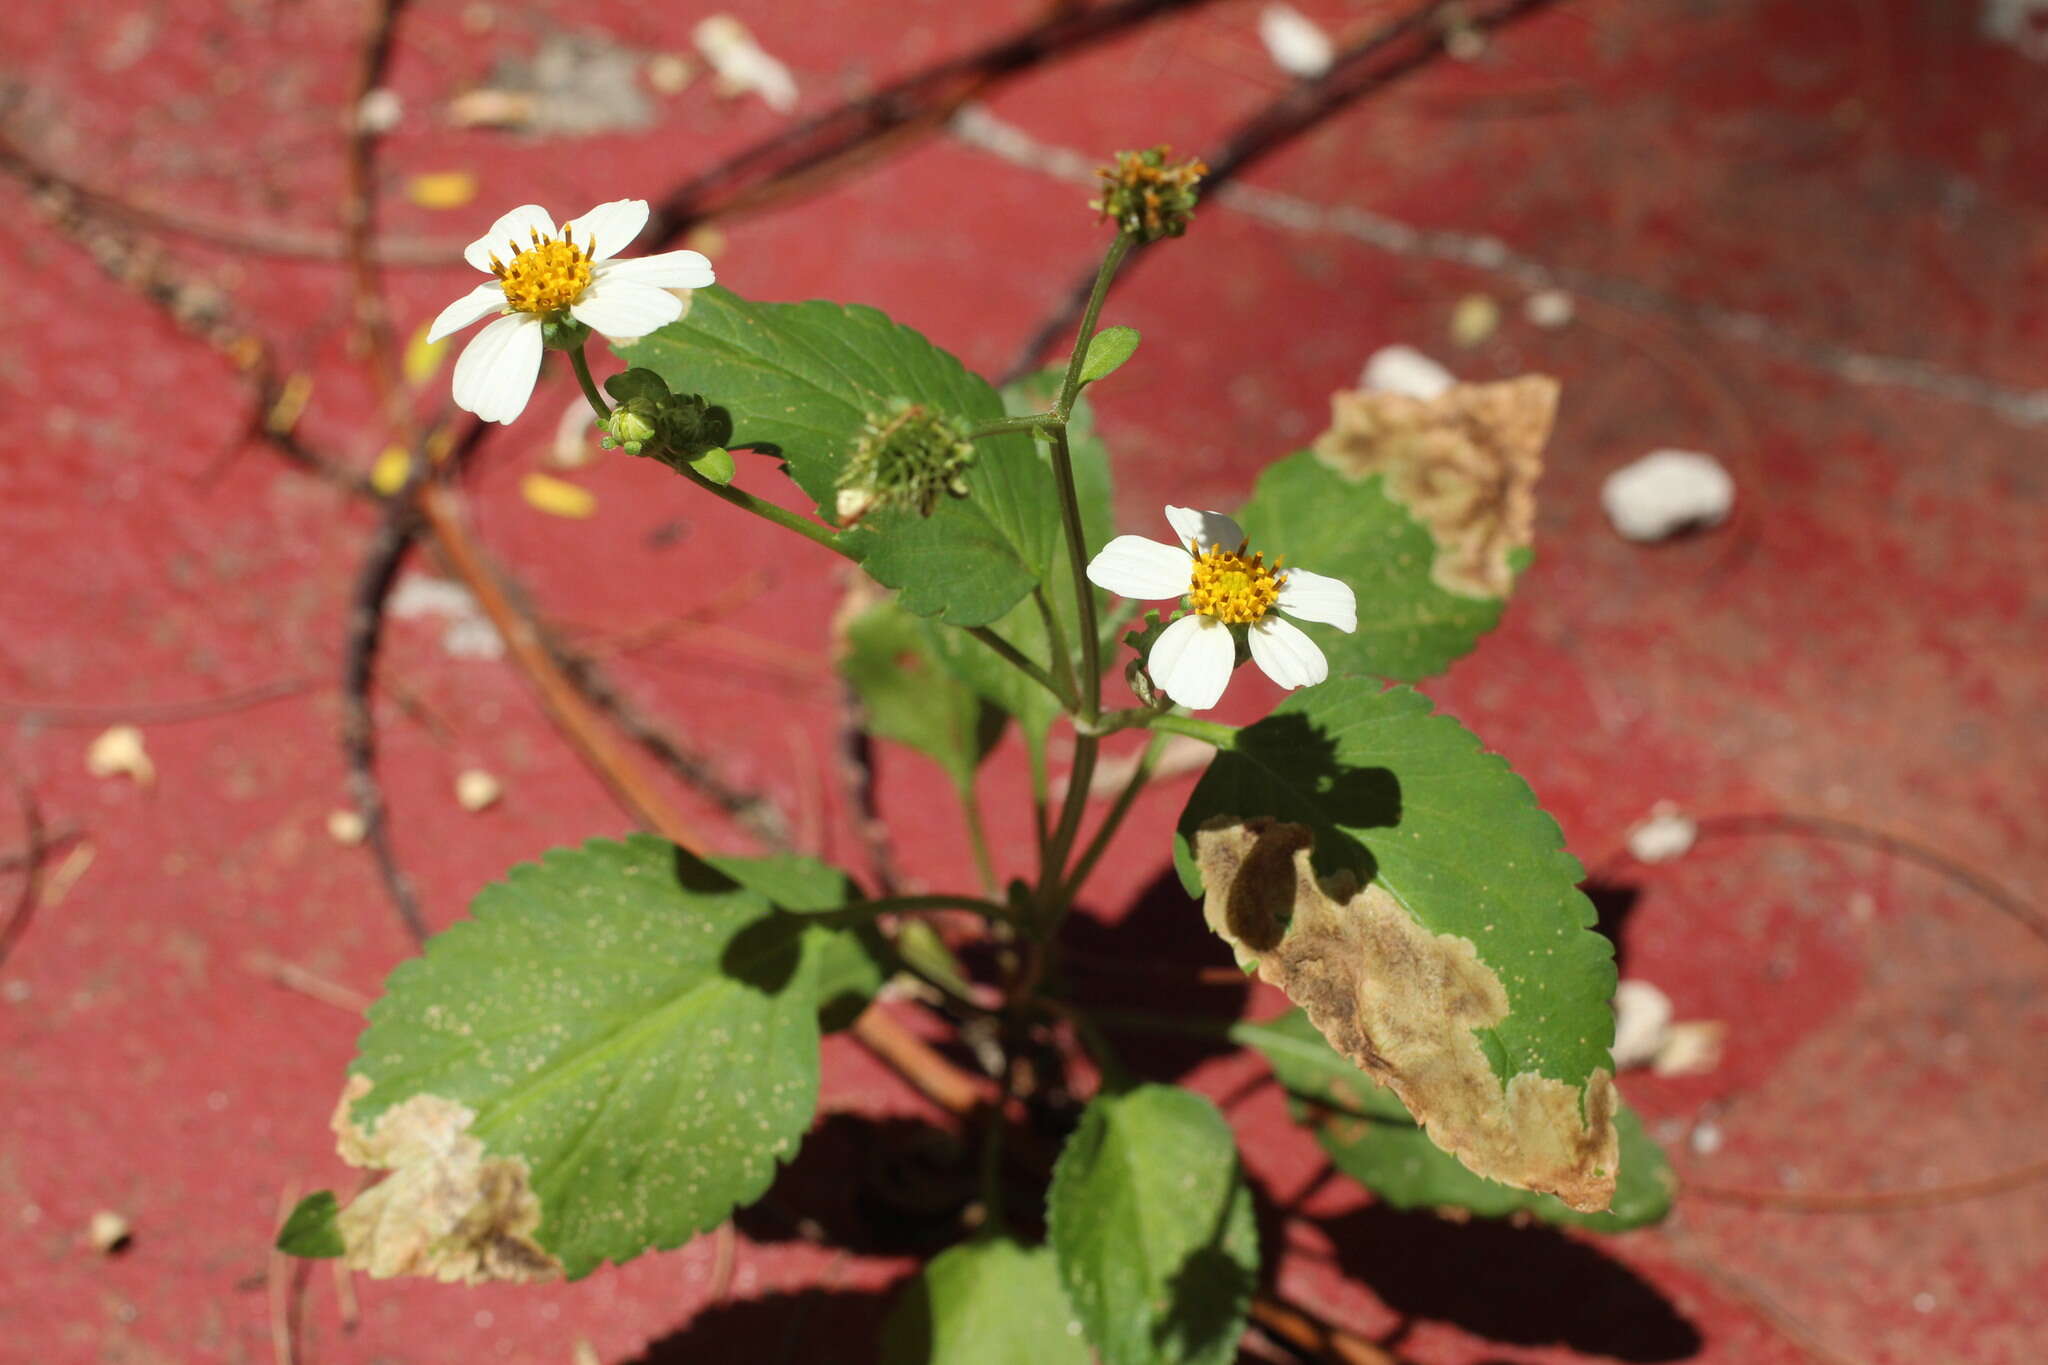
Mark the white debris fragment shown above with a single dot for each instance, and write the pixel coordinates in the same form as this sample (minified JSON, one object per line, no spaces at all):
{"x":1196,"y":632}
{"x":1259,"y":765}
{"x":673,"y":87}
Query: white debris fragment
{"x":477,"y":790}
{"x":575,"y":443}
{"x":1405,"y":370}
{"x":1667,"y":834}
{"x":1665,"y":492}
{"x":468,"y":633}
{"x":1549,"y":309}
{"x":347,"y":828}
{"x":1691,"y":1048}
{"x":1642,"y":1023}
{"x":379,"y":111}
{"x":1475,"y":318}
{"x":668,"y":73}
{"x":1706,"y":1138}
{"x":1295,"y":42}
{"x":742,"y":66}
{"x":107,"y":1232}
{"x":118,"y":752}
{"x":2021,"y":25}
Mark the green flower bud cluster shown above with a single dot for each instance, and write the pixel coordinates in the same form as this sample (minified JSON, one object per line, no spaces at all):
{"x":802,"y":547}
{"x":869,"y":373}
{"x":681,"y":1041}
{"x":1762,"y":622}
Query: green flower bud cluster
{"x":1148,"y":194}
{"x":905,"y":456}
{"x":647,"y":419}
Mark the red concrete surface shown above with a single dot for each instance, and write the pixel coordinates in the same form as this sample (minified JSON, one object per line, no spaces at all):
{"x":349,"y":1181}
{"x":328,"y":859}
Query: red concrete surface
{"x":1812,"y":239}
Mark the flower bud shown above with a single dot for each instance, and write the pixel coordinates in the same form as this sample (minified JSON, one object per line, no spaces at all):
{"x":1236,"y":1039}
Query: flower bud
{"x":1148,"y":194}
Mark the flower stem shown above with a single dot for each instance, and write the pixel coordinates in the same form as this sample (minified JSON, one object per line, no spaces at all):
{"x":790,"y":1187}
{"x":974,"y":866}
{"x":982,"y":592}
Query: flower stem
{"x":1077,"y":558}
{"x":1208,"y":731}
{"x":582,"y":368}
{"x":919,"y":905}
{"x":1002,"y":425}
{"x":767,"y":511}
{"x":1052,"y":879}
{"x":1017,"y":659}
{"x":977,"y":836}
{"x":1085,"y":864}
{"x":1071,"y":385}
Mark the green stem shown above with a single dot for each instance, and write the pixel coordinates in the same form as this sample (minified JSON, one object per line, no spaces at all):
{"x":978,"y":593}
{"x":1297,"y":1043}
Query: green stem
{"x":1052,"y":869}
{"x":1056,"y":645}
{"x":767,"y":511}
{"x":1077,"y":559}
{"x":1105,"y":832}
{"x":1208,"y":731}
{"x":977,"y":836}
{"x":1071,"y":385}
{"x":992,"y":1172}
{"x":922,"y":905}
{"x":1110,"y":722}
{"x":582,"y":368}
{"x":1002,"y":425}
{"x":1017,"y":659}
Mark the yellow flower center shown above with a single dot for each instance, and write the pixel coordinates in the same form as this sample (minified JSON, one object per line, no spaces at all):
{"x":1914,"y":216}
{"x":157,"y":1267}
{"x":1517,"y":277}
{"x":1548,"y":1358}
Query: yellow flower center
{"x":546,"y":276}
{"x":1232,"y":587}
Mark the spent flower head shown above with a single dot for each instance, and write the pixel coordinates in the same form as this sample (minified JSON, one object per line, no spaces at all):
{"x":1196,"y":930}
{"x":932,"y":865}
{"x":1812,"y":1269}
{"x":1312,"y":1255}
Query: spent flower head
{"x":906,"y":456}
{"x":1192,"y":659}
{"x":544,"y":277}
{"x":1148,"y":194}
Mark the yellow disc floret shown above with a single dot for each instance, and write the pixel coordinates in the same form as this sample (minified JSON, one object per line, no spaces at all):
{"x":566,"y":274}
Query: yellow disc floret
{"x":546,"y":276}
{"x":1232,"y":586}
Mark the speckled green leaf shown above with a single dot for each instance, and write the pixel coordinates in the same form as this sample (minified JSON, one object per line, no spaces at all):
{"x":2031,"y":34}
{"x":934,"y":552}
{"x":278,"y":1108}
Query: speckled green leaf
{"x":852,"y":962}
{"x":1408,"y":799}
{"x":1151,"y":1222}
{"x":801,"y":378}
{"x":1370,"y":1137}
{"x":1408,"y":627}
{"x":635,"y":1025}
{"x":909,"y":697}
{"x":310,"y":1230}
{"x":991,"y":1302}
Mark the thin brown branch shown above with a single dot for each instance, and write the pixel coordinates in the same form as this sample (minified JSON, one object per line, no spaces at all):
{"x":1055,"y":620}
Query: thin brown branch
{"x":1298,"y":1328}
{"x":1866,"y":1201}
{"x":31,"y":893}
{"x":157,"y":713}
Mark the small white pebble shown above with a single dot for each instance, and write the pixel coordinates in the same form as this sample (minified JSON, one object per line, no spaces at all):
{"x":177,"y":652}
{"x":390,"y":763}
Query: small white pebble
{"x":379,"y":111}
{"x":107,"y":1231}
{"x":1706,"y":1138}
{"x":477,"y":790}
{"x":1665,"y":492}
{"x":1666,"y":835}
{"x":1294,"y":42}
{"x":346,"y":827}
{"x":1403,"y":369}
{"x":1549,"y":309}
{"x":118,"y":752}
{"x":1642,"y":1022}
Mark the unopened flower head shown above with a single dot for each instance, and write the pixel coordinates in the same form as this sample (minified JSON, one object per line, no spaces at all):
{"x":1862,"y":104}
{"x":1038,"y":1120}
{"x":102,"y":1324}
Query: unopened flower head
{"x":1148,"y":194}
{"x":1225,"y":584}
{"x":542,"y":275}
{"x":906,"y":456}
{"x":647,"y":419}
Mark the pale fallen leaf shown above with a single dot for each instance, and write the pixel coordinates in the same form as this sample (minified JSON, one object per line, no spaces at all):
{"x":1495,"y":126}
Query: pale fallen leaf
{"x":1642,"y":1023}
{"x":1692,"y":1048}
{"x":441,"y":189}
{"x":743,"y":67}
{"x":558,"y":497}
{"x":118,"y":752}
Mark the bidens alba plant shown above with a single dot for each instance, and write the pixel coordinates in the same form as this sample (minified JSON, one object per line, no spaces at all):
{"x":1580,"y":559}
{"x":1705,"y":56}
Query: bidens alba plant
{"x":620,"y":1045}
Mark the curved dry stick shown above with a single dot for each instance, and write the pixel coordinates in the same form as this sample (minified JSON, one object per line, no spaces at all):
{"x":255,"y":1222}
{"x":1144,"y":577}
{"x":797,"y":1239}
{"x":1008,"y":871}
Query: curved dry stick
{"x":158,"y":713}
{"x":39,"y":845}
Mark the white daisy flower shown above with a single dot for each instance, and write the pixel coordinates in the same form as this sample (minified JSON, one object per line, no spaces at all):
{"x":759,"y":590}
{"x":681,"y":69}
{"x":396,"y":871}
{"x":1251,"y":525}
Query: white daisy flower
{"x":540,"y":272}
{"x":1193,"y":658}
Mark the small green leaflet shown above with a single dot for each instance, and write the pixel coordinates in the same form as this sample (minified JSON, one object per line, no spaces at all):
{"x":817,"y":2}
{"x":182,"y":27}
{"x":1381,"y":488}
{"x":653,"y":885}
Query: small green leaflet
{"x":1409,"y":800}
{"x":801,"y":378}
{"x":1108,"y":349}
{"x":1408,"y":627}
{"x":990,"y":1302}
{"x":1151,"y":1222}
{"x":637,"y":1027}
{"x":310,"y":1230}
{"x":1370,"y":1137}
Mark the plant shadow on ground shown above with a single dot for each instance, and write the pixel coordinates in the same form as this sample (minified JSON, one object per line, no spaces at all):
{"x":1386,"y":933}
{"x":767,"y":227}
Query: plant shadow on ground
{"x":871,"y":1186}
{"x":778,"y":1329}
{"x":1526,"y":1285}
{"x":1614,"y":903}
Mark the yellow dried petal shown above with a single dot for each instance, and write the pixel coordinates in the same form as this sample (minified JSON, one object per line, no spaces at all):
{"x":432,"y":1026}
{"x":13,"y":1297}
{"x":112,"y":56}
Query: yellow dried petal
{"x":558,"y":497}
{"x":441,"y":189}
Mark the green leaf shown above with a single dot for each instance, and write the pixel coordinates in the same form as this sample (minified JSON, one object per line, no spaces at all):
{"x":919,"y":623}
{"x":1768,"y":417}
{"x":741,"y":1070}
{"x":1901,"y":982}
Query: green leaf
{"x":310,"y":1231}
{"x":990,"y":1302}
{"x":606,"y":1057}
{"x":1464,"y":943}
{"x":1107,"y":351}
{"x":907,"y":696}
{"x":1408,"y":626}
{"x":801,"y":378}
{"x":1370,"y":1136}
{"x":715,"y":464}
{"x":1151,"y":1222}
{"x":851,"y":965}
{"x":790,"y":881}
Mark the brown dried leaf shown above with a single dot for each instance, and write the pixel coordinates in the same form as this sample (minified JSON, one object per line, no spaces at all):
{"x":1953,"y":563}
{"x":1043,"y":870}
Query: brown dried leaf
{"x":1402,"y":1003}
{"x":1464,"y":463}
{"x":446,"y":1209}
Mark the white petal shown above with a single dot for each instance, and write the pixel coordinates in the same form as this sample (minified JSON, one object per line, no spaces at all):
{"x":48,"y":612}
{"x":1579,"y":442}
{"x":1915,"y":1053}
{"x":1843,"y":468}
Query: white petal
{"x":479,"y":302}
{"x":1317,"y":597}
{"x":622,"y":309}
{"x":611,"y":226}
{"x":1204,"y":528}
{"x":1132,"y":566}
{"x":1192,"y":660}
{"x":517,"y":226}
{"x":495,"y":375}
{"x":669,"y":270}
{"x":1285,"y":655}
